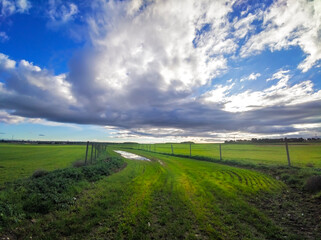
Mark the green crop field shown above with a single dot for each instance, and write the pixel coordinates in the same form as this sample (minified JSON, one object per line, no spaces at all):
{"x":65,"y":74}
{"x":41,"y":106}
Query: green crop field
{"x":301,"y":155}
{"x":18,"y":160}
{"x":168,"y":197}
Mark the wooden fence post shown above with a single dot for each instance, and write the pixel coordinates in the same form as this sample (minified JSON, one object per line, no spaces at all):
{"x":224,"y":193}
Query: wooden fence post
{"x":95,"y":151}
{"x":172,"y":149}
{"x":220,"y":153}
{"x":287,"y":152}
{"x":86,"y":153}
{"x":190,"y":150}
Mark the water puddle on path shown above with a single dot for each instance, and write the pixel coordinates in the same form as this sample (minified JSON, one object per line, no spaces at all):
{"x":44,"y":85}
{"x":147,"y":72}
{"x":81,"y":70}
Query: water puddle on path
{"x":131,"y":155}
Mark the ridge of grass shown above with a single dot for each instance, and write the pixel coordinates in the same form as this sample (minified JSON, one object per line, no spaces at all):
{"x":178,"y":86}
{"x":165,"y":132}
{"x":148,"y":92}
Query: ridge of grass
{"x":29,"y":198}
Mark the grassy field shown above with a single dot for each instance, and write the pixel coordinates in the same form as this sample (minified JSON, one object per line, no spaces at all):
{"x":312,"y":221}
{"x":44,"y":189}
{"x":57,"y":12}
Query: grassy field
{"x":18,"y":160}
{"x":302,"y":155}
{"x":167,"y":198}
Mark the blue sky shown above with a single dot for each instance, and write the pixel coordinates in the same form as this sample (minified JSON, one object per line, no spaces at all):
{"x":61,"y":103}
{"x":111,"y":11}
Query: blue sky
{"x":157,"y":71}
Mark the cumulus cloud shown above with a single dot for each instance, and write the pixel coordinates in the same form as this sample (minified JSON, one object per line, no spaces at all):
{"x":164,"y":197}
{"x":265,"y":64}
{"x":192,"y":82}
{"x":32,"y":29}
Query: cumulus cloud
{"x":146,"y":63}
{"x":289,"y":23}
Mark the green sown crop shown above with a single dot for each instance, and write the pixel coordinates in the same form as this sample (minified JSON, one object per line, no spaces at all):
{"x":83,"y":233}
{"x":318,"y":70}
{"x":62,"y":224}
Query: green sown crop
{"x":301,"y":155}
{"x":167,"y":198}
{"x":19,"y":161}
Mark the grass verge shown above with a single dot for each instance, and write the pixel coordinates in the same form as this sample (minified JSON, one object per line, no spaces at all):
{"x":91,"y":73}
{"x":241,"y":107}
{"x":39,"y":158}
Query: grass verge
{"x":44,"y":193}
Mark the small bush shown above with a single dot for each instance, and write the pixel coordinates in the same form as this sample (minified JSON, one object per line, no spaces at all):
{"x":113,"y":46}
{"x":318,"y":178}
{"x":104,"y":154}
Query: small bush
{"x":313,"y":184}
{"x":310,"y":165}
{"x":39,"y":173}
{"x":78,"y":163}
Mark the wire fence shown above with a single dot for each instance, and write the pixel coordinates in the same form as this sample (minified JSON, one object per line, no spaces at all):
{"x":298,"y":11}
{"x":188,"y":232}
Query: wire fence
{"x":94,"y":151}
{"x":284,"y":154}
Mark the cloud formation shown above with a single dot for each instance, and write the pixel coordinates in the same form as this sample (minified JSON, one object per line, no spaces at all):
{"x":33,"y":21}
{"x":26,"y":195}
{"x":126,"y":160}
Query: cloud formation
{"x":148,"y":69}
{"x":289,"y":23}
{"x":10,"y":7}
{"x":61,"y":12}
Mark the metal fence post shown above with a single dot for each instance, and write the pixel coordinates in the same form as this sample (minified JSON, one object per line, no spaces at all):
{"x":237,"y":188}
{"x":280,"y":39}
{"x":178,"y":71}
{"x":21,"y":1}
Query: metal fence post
{"x":91,"y":155}
{"x":287,"y":152}
{"x":86,"y":153}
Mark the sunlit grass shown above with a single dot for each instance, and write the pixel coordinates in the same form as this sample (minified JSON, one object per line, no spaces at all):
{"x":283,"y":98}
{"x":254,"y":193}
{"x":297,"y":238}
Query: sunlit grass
{"x":182,"y":198}
{"x":19,"y":161}
{"x":301,"y":155}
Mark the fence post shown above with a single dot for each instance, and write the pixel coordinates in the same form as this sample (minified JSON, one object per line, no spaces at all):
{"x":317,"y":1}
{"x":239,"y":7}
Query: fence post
{"x":172,"y":149}
{"x":190,"y":150}
{"x":95,"y":151}
{"x":91,"y":155}
{"x":220,"y":153}
{"x":287,"y":152}
{"x":86,"y":153}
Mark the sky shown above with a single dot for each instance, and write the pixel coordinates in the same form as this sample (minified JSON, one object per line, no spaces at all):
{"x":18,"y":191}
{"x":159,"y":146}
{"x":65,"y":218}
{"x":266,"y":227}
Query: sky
{"x":159,"y":71}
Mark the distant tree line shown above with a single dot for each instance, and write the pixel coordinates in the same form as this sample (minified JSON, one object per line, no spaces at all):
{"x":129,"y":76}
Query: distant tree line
{"x":187,"y":142}
{"x":275,"y":140}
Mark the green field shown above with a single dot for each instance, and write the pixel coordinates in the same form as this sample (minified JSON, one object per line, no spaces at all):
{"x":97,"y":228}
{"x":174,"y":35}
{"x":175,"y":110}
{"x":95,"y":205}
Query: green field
{"x":301,"y":155}
{"x":167,"y":198}
{"x":21,"y":160}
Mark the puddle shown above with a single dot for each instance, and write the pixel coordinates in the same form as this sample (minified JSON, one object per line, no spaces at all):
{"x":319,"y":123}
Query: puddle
{"x":131,"y":155}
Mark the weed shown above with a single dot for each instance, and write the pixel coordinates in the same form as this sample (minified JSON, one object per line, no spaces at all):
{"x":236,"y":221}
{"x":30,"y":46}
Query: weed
{"x":48,"y":191}
{"x":39,"y":173}
{"x":78,"y":163}
{"x":311,"y":165}
{"x":313,"y":184}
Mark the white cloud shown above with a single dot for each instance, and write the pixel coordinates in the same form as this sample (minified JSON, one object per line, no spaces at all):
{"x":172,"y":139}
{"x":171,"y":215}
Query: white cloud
{"x":158,"y":51}
{"x":6,"y":63}
{"x":281,"y":74}
{"x":61,"y":12}
{"x":218,"y":94}
{"x":251,"y":77}
{"x":3,"y":37}
{"x":280,"y":94}
{"x":23,"y":6}
{"x":10,"y":7}
{"x":33,"y":84}
{"x":289,"y":23}
{"x":10,"y":119}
